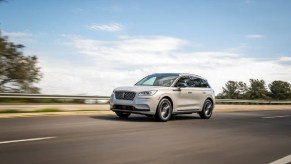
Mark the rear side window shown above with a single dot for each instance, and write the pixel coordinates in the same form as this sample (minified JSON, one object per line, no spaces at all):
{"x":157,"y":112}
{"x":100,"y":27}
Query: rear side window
{"x":205,"y":84}
{"x":197,"y":82}
{"x":193,"y":82}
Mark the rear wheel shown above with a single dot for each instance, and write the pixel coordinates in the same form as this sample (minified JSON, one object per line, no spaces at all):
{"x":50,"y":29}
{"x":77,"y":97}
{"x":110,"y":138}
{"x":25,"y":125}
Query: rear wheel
{"x":164,"y":110}
{"x":206,"y":112}
{"x":122,"y":114}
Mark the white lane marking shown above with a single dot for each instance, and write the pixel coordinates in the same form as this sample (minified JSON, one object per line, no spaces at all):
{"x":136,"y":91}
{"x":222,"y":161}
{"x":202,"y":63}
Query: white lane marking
{"x":25,"y":140}
{"x":277,"y":116}
{"x":283,"y":160}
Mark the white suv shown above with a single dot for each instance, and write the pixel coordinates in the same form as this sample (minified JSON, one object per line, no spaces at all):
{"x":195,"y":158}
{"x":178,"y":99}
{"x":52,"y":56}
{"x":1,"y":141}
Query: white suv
{"x":164,"y":94}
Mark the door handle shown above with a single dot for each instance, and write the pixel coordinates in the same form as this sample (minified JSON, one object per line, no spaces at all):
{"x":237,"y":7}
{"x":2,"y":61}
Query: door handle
{"x":189,"y":92}
{"x":204,"y":92}
{"x":178,"y":89}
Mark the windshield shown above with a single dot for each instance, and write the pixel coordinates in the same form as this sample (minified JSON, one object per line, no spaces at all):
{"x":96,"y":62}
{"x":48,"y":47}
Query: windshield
{"x":165,"y":80}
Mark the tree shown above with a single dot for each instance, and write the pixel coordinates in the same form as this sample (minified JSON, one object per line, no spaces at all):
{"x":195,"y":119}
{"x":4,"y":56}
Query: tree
{"x":280,"y":90}
{"x":257,"y":89}
{"x":242,"y":89}
{"x":234,"y":90}
{"x":18,"y":72}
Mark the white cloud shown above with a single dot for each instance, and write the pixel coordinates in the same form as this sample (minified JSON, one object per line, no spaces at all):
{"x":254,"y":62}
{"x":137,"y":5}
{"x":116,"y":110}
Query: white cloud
{"x":285,"y":59}
{"x":240,"y":48}
{"x":125,"y":61}
{"x":22,"y":37}
{"x":255,"y":36}
{"x":21,"y":34}
{"x":113,"y":27}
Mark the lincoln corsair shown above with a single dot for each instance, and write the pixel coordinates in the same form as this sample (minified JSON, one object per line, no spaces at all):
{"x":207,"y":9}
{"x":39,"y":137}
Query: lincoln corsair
{"x":165,"y":94}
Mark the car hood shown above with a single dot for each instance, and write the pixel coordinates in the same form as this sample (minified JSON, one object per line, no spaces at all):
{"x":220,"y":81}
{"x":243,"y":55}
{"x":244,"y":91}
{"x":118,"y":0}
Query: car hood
{"x":139,"y":88}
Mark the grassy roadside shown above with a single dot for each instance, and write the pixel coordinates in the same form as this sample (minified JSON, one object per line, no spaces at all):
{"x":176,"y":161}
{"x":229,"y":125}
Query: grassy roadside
{"x":51,"y":112}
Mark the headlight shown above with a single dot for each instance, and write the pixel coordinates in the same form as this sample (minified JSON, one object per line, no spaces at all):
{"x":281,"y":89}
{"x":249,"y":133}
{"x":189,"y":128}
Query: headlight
{"x":147,"y":93}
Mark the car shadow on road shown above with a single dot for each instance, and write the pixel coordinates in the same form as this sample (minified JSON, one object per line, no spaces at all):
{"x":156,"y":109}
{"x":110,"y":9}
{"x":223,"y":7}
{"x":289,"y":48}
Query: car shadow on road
{"x":138,"y":118}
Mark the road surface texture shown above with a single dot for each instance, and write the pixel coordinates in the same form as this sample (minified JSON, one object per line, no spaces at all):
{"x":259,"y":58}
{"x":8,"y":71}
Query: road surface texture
{"x":228,"y":137}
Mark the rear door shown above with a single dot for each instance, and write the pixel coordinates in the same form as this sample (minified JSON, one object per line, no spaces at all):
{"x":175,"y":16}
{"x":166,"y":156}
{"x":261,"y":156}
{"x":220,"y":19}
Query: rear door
{"x":200,"y":89}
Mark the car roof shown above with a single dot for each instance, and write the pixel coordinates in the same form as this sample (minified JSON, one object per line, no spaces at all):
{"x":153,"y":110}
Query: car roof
{"x":179,"y":74}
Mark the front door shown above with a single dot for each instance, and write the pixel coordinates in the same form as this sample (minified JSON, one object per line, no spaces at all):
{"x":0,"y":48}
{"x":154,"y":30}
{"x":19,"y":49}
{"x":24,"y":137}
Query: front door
{"x":184,"y":96}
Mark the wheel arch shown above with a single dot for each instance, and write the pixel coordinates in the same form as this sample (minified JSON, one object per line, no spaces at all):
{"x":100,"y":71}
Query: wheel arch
{"x":158,"y":112}
{"x":169,"y":98}
{"x":212,"y":100}
{"x":209,"y":98}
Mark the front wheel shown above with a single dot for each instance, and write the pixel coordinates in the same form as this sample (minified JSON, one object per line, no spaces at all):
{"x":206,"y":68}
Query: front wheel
{"x":207,"y":109}
{"x":164,"y":110}
{"x":122,"y":114}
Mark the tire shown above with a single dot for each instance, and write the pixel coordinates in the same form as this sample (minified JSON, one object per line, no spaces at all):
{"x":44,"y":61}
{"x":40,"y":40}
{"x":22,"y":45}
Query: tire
{"x":122,"y":114}
{"x":207,"y":109}
{"x":164,"y":110}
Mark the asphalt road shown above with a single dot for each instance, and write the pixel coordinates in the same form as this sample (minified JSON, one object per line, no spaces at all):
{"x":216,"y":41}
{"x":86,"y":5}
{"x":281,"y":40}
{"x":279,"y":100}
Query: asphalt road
{"x":228,"y":137}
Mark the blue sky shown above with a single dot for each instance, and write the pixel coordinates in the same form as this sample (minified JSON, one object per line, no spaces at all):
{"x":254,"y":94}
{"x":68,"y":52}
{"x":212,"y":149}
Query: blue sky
{"x":90,"y":43}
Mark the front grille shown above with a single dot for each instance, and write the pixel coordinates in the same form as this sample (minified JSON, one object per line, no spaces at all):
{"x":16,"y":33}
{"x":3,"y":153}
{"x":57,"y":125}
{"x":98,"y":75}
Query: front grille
{"x":123,"y":95}
{"x":123,"y":107}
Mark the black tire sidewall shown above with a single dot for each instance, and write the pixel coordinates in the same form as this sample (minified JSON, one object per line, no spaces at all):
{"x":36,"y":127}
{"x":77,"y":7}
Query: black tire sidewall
{"x":158,"y":114}
{"x":203,"y":114}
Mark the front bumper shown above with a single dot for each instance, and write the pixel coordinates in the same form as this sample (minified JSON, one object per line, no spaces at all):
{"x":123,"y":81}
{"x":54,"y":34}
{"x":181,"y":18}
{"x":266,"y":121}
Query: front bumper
{"x":140,"y":104}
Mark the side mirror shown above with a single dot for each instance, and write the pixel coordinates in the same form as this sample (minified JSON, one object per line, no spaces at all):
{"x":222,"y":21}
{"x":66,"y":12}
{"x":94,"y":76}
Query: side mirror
{"x":181,"y":85}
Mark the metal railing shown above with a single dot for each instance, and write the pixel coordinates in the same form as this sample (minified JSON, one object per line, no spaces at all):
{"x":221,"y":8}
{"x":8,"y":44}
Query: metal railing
{"x":239,"y":101}
{"x":42,"y":96}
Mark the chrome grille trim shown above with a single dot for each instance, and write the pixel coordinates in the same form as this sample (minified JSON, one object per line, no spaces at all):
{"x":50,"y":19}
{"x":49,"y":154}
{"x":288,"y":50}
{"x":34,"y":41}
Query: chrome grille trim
{"x":124,"y":95}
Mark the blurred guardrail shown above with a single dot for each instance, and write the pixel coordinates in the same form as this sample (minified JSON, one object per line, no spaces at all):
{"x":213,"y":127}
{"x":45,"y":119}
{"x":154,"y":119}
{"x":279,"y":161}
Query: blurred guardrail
{"x":84,"y":99}
{"x":20,"y":95}
{"x":239,"y":101}
{"x":105,"y":99}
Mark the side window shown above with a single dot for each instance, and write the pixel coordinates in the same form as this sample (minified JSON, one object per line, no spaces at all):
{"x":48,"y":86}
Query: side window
{"x":184,"y":80}
{"x":197,"y":82}
{"x":194,"y":82}
{"x":205,"y":84}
